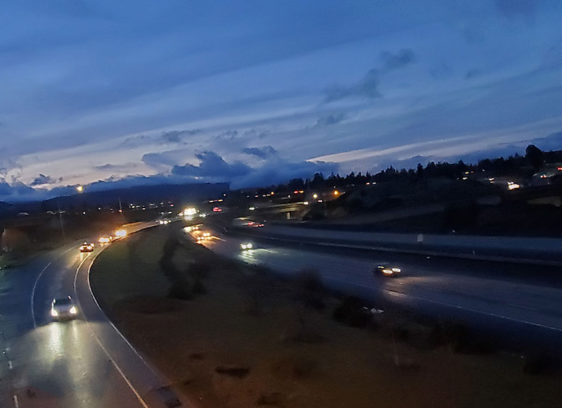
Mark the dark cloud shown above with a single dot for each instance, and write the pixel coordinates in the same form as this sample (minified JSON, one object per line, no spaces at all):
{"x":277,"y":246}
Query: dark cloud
{"x":16,"y":191}
{"x":167,"y":137}
{"x":261,"y":152}
{"x":552,"y":141}
{"x":213,"y":168}
{"x":368,"y":86}
{"x":116,"y":167}
{"x":158,"y":160}
{"x":211,"y":165}
{"x":472,"y":73}
{"x":517,"y":8}
{"x":134,"y":141}
{"x":227,"y":136}
{"x":330,"y":119}
{"x":399,"y":59}
{"x":441,"y":70}
{"x":280,"y":171}
{"x":255,"y":133}
{"x":44,"y":179}
{"x":176,"y":136}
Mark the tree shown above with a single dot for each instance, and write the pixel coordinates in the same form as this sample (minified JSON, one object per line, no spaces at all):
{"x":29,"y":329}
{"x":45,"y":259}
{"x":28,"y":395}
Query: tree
{"x":534,"y":156}
{"x":419,"y":170}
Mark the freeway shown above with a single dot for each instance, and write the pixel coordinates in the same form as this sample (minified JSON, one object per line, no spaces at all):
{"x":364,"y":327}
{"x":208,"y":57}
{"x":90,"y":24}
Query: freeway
{"x":81,"y":363}
{"x":473,"y":292}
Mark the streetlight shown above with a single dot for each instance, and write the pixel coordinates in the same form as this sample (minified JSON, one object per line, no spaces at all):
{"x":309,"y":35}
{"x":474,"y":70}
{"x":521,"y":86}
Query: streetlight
{"x":315,"y":196}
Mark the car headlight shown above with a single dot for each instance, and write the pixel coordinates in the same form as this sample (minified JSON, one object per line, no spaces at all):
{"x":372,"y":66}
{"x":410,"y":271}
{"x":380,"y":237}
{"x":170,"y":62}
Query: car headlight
{"x":73,"y":310}
{"x":54,"y":313}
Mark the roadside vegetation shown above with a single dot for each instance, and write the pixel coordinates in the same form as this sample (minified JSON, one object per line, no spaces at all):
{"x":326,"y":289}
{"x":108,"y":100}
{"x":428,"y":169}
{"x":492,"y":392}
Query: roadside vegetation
{"x":232,"y":335}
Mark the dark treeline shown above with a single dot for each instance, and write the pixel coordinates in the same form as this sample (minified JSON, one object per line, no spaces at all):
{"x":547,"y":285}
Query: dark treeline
{"x":515,"y":165}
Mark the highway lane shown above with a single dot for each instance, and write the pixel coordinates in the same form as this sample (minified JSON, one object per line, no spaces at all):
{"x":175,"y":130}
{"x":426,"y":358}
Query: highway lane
{"x":56,"y":364}
{"x":540,"y":250}
{"x":80,"y":363}
{"x":425,"y":285}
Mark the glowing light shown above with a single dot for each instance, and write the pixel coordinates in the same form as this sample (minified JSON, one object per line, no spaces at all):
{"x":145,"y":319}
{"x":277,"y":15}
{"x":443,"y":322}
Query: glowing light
{"x":80,"y":189}
{"x":512,"y":186}
{"x":189,"y":212}
{"x":103,"y":240}
{"x":54,"y":313}
{"x":246,"y":245}
{"x":336,"y":193}
{"x":73,"y":310}
{"x":315,"y":196}
{"x":120,"y":233}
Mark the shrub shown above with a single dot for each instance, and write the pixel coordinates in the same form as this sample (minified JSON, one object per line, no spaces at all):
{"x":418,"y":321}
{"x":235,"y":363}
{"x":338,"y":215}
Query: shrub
{"x":351,"y":312}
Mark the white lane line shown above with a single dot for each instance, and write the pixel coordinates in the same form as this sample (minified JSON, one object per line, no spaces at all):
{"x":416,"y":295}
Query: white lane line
{"x":16,"y":401}
{"x":35,"y":287}
{"x":33,"y":294}
{"x":10,"y":364}
{"x":135,"y":392}
{"x":115,"y":328}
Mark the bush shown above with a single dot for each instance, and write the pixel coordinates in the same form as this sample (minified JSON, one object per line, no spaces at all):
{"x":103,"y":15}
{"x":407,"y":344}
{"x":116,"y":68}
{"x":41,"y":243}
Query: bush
{"x":536,"y":363}
{"x":311,"y":289}
{"x":198,"y":288}
{"x":351,"y":312}
{"x":181,"y":291}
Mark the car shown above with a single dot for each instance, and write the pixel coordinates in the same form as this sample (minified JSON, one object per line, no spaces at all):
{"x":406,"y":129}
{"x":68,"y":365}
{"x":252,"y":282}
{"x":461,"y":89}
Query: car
{"x":246,"y":246}
{"x":104,"y":239}
{"x":87,"y":247}
{"x":387,"y":270}
{"x":63,"y":308}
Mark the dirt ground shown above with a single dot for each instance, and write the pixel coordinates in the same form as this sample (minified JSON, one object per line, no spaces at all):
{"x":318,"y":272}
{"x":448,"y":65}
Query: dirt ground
{"x":242,"y":338}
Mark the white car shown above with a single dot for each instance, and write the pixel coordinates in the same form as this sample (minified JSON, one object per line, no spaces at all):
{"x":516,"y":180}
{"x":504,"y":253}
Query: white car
{"x":63,"y":308}
{"x":246,"y":246}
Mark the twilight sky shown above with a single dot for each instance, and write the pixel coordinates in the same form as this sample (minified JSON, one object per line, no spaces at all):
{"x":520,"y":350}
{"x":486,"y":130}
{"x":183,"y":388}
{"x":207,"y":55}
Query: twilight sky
{"x":255,"y":92}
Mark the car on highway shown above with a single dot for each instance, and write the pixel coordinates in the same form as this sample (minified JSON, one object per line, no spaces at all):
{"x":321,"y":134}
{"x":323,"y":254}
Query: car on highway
{"x":105,"y":239}
{"x":63,"y":308}
{"x":387,"y":270}
{"x":244,"y":246}
{"x":87,"y":247}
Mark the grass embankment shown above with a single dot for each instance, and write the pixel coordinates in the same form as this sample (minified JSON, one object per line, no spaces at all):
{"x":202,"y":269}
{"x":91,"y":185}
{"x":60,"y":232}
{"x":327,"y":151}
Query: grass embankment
{"x":241,"y":338}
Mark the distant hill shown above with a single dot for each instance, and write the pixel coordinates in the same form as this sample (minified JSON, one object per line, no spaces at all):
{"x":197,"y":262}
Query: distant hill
{"x":139,"y":195}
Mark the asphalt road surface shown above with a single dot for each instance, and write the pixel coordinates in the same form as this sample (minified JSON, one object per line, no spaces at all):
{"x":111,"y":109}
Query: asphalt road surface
{"x":79,"y":363}
{"x":526,"y":310}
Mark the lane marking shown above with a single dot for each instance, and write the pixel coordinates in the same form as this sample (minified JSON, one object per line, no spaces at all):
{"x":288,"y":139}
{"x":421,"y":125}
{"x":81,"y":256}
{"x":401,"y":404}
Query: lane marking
{"x":37,"y":281}
{"x":16,"y":401}
{"x":98,"y":340}
{"x":115,"y":327}
{"x":10,"y":365}
{"x":395,"y":293}
{"x":33,"y":294}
